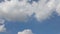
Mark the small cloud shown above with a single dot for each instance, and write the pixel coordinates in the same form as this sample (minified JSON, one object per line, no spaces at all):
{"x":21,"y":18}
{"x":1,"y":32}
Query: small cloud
{"x":2,"y":25}
{"x":2,"y":28}
{"x":28,"y":31}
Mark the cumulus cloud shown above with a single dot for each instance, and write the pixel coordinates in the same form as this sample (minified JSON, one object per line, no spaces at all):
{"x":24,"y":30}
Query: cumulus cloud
{"x":21,"y":10}
{"x":28,"y":31}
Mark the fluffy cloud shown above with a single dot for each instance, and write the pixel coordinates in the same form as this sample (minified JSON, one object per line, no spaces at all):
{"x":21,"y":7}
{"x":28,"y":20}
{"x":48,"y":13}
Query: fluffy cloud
{"x":21,"y":10}
{"x":26,"y":32}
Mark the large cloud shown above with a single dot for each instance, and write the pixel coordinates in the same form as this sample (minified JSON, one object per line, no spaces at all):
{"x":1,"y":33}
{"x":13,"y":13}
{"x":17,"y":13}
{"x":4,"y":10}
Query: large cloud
{"x":21,"y":10}
{"x":28,"y":31}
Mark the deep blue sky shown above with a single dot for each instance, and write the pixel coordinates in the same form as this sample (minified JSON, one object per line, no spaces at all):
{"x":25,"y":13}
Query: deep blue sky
{"x":48,"y":26}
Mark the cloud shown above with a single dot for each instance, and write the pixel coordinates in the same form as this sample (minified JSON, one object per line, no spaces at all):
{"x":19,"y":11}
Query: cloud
{"x":28,"y":31}
{"x":21,"y":10}
{"x":2,"y":26}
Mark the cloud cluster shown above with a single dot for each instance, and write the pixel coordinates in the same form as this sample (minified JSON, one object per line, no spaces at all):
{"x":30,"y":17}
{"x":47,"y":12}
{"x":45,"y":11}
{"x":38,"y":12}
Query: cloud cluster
{"x":21,"y":10}
{"x":28,"y":31}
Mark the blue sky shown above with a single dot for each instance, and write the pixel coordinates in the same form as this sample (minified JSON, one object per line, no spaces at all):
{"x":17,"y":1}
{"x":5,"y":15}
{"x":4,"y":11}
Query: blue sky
{"x":47,"y":26}
{"x":51,"y":26}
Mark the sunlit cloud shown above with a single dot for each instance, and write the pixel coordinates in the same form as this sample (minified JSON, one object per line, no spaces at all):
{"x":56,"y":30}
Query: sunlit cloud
{"x":28,"y":31}
{"x":21,"y":10}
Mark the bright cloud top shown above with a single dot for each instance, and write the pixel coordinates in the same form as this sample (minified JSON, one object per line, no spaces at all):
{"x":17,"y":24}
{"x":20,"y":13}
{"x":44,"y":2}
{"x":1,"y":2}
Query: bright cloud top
{"x":28,"y":31}
{"x":21,"y":10}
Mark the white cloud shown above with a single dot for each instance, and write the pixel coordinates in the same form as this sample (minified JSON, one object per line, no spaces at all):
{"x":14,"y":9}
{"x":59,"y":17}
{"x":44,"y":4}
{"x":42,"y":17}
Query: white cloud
{"x":20,"y":10}
{"x":2,"y":28}
{"x":28,"y":31}
{"x":58,"y":9}
{"x":2,"y":25}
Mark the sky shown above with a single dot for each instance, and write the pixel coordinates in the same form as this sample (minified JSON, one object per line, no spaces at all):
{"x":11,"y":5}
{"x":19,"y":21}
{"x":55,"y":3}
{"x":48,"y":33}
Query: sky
{"x":29,"y":16}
